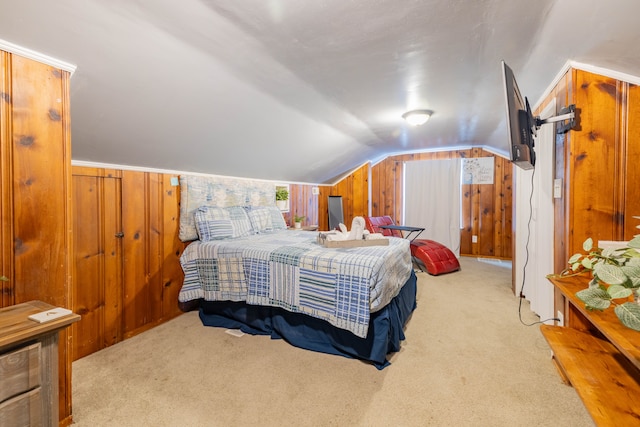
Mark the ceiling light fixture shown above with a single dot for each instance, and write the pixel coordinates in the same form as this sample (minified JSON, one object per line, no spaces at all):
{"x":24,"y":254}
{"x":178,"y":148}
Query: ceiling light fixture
{"x":417,"y":117}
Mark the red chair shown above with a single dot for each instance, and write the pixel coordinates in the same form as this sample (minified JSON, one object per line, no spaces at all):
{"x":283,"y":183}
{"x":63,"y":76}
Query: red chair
{"x":373,"y":224}
{"x":436,"y":257}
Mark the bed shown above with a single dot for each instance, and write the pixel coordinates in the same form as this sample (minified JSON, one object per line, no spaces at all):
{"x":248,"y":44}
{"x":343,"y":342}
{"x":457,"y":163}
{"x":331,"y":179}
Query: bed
{"x":245,"y":270}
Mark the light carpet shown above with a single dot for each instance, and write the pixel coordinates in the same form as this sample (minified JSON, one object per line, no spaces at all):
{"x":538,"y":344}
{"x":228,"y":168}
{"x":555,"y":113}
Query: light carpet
{"x":467,"y":361}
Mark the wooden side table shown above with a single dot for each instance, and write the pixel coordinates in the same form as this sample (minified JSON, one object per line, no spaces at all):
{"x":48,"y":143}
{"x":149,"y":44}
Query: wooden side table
{"x":29,"y":365}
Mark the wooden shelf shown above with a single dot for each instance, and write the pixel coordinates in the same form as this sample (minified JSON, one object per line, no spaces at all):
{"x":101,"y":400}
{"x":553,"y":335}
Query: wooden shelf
{"x":606,"y":322}
{"x":599,"y":356}
{"x":606,"y":381}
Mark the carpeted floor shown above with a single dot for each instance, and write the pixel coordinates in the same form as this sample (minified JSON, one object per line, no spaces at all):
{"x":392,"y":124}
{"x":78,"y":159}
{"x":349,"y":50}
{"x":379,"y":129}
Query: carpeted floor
{"x":467,"y":361}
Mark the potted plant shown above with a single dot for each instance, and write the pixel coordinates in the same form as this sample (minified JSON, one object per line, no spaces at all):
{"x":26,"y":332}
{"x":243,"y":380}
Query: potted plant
{"x":282,"y":195}
{"x":297,"y":220}
{"x":616,"y":276}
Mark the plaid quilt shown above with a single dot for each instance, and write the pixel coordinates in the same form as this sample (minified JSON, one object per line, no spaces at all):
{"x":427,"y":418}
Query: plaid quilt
{"x":289,"y":269}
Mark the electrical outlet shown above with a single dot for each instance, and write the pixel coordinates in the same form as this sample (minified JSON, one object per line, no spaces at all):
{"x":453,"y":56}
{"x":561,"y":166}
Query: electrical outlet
{"x":474,"y":239}
{"x":560,"y":317}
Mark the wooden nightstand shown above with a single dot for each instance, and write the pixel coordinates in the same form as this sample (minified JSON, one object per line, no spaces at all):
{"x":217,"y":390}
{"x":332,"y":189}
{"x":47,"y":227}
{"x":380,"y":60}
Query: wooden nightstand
{"x":29,"y":365}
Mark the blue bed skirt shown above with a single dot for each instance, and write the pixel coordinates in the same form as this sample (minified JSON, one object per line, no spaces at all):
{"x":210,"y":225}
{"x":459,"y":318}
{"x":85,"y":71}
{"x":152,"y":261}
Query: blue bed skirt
{"x":386,"y":326}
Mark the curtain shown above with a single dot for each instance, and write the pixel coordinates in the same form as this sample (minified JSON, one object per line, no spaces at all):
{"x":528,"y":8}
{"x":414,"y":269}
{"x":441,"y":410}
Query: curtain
{"x":534,"y":219}
{"x":432,"y":200}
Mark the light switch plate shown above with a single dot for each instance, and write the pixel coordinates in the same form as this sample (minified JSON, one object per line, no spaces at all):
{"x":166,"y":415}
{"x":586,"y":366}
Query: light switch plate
{"x":557,"y":188}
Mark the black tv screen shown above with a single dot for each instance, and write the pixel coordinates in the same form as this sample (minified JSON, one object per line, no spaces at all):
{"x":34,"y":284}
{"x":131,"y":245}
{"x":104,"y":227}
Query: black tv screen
{"x":520,"y":122}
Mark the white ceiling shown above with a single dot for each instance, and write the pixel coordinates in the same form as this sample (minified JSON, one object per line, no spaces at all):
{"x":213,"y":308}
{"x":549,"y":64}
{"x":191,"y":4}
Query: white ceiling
{"x":305,"y":91}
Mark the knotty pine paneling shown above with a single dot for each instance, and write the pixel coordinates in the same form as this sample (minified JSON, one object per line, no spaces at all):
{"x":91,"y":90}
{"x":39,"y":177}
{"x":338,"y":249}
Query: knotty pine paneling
{"x":323,"y":207}
{"x":6,"y":182}
{"x":141,"y":224}
{"x":631,"y":160}
{"x":35,"y":194}
{"x":125,"y":285}
{"x":172,"y":275}
{"x":597,"y":164}
{"x":40,"y":193}
{"x":113,"y":258}
{"x":88,"y":283}
{"x":302,"y":202}
{"x":592,"y":159}
{"x":151,"y":249}
{"x":354,"y":189}
{"x":486,"y":209}
{"x":600,"y":191}
{"x":386,"y":188}
{"x":97,"y":278}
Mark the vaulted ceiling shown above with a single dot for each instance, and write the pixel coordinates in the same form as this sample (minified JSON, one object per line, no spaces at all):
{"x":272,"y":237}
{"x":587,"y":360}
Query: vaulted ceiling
{"x":305,"y":91}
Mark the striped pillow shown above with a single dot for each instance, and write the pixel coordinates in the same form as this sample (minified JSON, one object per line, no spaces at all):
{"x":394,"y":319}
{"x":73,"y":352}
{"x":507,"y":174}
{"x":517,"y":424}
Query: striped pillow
{"x":239,"y":221}
{"x":216,"y":223}
{"x":213,"y":223}
{"x":260,"y":218}
{"x":277,"y":220}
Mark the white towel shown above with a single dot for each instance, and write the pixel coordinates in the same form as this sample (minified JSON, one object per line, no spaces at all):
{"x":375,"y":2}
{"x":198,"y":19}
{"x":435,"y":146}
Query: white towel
{"x":357,"y":232}
{"x":374,"y":236}
{"x":357,"y":228}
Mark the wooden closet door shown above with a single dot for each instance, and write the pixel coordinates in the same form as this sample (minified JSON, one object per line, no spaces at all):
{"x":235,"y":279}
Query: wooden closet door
{"x":97,"y":283}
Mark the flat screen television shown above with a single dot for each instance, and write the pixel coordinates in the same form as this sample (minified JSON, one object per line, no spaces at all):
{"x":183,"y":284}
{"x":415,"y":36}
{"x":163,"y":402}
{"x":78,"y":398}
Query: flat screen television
{"x":521,"y":125}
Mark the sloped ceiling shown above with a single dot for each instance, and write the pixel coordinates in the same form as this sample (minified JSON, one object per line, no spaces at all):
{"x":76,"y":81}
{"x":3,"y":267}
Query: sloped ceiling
{"x":305,"y":91}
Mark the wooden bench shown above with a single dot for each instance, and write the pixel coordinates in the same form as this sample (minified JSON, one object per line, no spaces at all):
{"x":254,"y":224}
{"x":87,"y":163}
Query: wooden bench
{"x":598,"y":356}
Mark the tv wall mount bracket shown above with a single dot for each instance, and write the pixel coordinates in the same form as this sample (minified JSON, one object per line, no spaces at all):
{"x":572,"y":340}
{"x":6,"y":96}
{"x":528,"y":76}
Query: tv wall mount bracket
{"x":568,"y":116}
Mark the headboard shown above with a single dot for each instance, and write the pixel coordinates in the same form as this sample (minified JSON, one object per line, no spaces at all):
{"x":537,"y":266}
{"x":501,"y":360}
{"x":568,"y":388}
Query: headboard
{"x":196,"y":191}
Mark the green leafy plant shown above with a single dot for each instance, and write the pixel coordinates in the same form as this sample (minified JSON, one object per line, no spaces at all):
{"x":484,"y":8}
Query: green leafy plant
{"x":616,"y":276}
{"x":282,"y":194}
{"x":297,"y":218}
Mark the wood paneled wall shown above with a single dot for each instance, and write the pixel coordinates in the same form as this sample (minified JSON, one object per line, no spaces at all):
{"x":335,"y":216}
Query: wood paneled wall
{"x":36,"y":154}
{"x":487,"y":209}
{"x":629,"y":166}
{"x":97,"y":277}
{"x":35,"y":162}
{"x":597,"y":162}
{"x":302,"y":202}
{"x":354,"y":189}
{"x":127,"y":271}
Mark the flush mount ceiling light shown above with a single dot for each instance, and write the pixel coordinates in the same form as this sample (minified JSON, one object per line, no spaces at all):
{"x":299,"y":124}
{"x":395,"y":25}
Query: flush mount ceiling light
{"x":417,"y":117}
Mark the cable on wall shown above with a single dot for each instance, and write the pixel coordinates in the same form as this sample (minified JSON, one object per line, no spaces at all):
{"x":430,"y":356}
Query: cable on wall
{"x":526,"y":261}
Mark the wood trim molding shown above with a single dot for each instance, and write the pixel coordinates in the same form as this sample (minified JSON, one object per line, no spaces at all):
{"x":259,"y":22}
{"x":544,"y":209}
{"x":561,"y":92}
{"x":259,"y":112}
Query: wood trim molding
{"x":37,"y":56}
{"x":6,"y":185}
